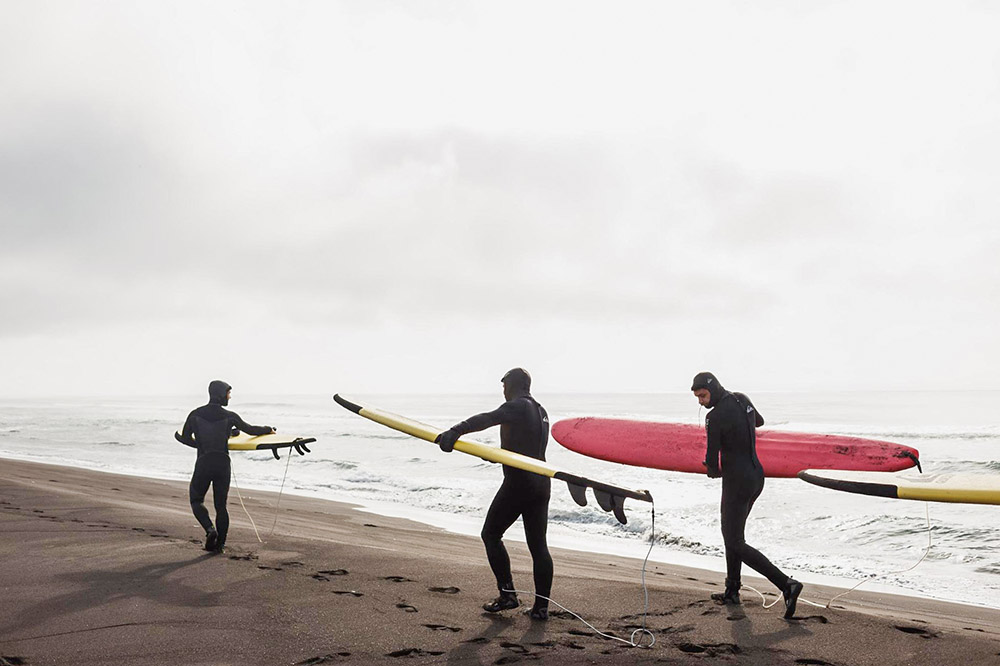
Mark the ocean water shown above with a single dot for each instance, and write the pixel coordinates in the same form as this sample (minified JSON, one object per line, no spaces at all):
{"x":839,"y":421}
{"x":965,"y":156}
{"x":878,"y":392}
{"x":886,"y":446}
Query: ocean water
{"x":812,"y":533}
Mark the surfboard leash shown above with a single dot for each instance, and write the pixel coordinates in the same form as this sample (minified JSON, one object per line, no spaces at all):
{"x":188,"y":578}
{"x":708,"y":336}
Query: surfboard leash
{"x":870,"y":578}
{"x":276,"y":506}
{"x":633,"y":641}
{"x":238,"y":494}
{"x":281,"y":489}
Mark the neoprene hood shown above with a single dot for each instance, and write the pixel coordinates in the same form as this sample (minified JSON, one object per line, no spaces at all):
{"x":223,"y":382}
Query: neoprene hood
{"x":517,"y":378}
{"x":218,"y":392}
{"x":706,"y":380}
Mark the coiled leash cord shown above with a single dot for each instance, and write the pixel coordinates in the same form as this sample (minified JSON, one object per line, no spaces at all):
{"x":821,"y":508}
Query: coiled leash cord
{"x":276,"y":506}
{"x":633,"y":641}
{"x":865,"y":580}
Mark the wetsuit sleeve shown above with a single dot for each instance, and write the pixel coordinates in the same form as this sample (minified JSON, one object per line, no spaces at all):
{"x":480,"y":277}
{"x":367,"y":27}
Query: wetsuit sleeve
{"x":187,"y":434}
{"x":758,"y":420}
{"x":247,"y":428}
{"x":503,"y":414}
{"x":714,"y":441}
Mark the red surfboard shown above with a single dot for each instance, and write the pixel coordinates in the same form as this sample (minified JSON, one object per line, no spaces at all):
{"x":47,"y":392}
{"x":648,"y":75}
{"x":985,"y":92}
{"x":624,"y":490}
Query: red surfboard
{"x":681,"y":447}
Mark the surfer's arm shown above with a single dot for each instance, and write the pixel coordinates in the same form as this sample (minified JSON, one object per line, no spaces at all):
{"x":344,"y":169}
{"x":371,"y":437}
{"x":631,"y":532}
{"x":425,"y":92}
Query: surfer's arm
{"x":187,"y":434}
{"x":712,"y":453}
{"x":447,"y":439}
{"x":249,"y":429}
{"x":758,"y":420}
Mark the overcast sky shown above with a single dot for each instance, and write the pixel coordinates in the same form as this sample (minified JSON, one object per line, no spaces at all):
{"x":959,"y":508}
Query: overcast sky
{"x":364,"y":197}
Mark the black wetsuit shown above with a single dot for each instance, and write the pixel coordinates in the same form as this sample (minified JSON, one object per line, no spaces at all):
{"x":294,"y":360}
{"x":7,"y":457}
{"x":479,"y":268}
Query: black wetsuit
{"x":208,"y":429}
{"x":524,"y":428}
{"x":732,"y":437}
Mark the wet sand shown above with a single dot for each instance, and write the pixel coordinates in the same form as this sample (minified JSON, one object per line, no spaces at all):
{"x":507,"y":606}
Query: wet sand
{"x":108,"y":569}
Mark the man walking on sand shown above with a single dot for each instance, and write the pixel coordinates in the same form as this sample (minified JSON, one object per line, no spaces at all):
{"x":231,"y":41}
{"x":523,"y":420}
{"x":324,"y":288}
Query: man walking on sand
{"x":208,"y":429}
{"x":731,"y":428}
{"x":524,"y":429}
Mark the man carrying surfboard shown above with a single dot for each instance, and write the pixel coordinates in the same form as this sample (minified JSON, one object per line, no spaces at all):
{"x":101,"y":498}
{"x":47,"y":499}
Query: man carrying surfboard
{"x":208,"y":429}
{"x":731,"y":430}
{"x":524,"y":429}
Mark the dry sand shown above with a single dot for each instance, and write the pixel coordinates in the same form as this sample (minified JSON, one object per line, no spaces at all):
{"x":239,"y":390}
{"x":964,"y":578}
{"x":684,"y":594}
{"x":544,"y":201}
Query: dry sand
{"x":107,"y":569}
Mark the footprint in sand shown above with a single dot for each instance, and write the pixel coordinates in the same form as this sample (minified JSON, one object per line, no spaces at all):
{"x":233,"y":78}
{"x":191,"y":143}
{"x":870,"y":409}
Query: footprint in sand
{"x":292,"y":564}
{"x":709,"y":649}
{"x":807,"y":661}
{"x":444,"y":590}
{"x":515,"y":647}
{"x":333,"y":572}
{"x":267,"y":568}
{"x":325,"y":659}
{"x":319,"y":577}
{"x":479,"y":640}
{"x":415,"y":652}
{"x":923,"y":633}
{"x":246,"y":558}
{"x":812,"y":619}
{"x":441,"y":627}
{"x":398,"y":579}
{"x":407,"y":607}
{"x":580,"y":632}
{"x":12,"y":661}
{"x":351,"y":593}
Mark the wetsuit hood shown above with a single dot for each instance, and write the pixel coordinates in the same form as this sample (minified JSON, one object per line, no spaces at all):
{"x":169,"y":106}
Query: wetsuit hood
{"x":706,"y":380}
{"x":517,"y":378}
{"x":218,"y":392}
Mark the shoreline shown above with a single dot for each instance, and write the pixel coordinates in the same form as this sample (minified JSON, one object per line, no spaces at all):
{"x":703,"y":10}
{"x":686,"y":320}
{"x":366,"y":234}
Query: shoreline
{"x":107,"y":568}
{"x":703,"y":563}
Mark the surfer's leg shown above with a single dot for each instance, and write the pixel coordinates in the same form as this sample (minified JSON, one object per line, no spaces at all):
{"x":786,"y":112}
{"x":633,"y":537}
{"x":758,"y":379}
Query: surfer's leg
{"x":196,"y":494}
{"x":220,"y":494}
{"x":501,"y":515}
{"x":536,"y":518}
{"x":733,"y":517}
{"x":752,"y":557}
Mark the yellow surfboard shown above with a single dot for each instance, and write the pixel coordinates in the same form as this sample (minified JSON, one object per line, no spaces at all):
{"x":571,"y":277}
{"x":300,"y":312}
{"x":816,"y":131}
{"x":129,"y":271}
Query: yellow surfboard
{"x":609,"y":497}
{"x":962,"y":488}
{"x":272,"y":442}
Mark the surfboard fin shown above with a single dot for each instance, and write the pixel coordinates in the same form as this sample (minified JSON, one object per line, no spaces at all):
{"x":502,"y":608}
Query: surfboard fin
{"x":619,"y":509}
{"x":609,"y":498}
{"x":612,"y":503}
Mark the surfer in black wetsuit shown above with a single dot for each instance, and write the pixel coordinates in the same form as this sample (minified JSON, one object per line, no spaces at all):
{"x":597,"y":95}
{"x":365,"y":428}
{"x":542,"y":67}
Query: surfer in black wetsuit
{"x":731,"y":426}
{"x":524,"y":429}
{"x":208,"y":429}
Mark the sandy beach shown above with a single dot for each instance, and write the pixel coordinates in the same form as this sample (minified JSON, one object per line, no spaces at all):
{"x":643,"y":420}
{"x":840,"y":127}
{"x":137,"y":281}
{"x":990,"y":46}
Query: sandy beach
{"x":108,"y":569}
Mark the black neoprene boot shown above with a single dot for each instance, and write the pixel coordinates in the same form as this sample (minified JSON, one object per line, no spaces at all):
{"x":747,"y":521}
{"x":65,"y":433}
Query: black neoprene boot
{"x":539,"y":613}
{"x":731,"y":595}
{"x":211,"y":539}
{"x":791,"y":595}
{"x":505,"y":601}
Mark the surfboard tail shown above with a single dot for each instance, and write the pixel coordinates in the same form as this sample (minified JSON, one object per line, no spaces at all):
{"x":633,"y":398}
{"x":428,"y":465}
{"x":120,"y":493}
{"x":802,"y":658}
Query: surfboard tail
{"x":609,"y":498}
